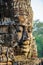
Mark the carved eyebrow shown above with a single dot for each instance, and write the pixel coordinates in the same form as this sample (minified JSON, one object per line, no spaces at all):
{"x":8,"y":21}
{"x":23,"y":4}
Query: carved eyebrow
{"x":18,"y":29}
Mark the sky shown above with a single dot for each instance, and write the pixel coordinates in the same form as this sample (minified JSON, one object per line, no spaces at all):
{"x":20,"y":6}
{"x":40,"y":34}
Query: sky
{"x":37,"y":6}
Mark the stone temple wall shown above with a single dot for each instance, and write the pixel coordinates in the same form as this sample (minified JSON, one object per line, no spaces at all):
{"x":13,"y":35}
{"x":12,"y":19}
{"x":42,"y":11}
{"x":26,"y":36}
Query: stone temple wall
{"x":16,"y":40}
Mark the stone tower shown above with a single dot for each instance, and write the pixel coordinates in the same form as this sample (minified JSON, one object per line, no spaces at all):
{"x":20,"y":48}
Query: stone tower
{"x":16,"y":30}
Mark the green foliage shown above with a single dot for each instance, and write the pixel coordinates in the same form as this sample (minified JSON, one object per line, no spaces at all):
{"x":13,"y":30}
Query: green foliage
{"x":38,"y":33}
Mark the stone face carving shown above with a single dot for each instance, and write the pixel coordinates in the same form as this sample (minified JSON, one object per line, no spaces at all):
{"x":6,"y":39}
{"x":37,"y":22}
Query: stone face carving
{"x":16,"y":30}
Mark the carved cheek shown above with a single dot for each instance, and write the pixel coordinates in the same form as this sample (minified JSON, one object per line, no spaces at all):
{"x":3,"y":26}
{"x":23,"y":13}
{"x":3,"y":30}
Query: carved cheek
{"x":19,"y":34}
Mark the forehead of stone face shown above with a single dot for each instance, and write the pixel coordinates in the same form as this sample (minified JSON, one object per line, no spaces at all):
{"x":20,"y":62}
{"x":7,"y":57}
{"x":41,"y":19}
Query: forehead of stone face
{"x":22,"y":1}
{"x":21,"y":8}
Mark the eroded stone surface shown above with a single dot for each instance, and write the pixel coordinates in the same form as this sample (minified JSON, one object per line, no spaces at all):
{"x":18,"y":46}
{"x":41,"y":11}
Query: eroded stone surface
{"x":16,"y":40}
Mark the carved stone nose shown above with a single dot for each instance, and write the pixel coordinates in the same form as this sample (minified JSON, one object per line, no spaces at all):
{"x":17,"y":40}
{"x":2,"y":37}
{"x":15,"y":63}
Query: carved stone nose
{"x":25,"y":36}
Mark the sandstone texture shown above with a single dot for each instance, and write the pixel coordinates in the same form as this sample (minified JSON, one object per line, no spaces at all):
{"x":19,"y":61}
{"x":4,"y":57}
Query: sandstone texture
{"x":17,"y":43}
